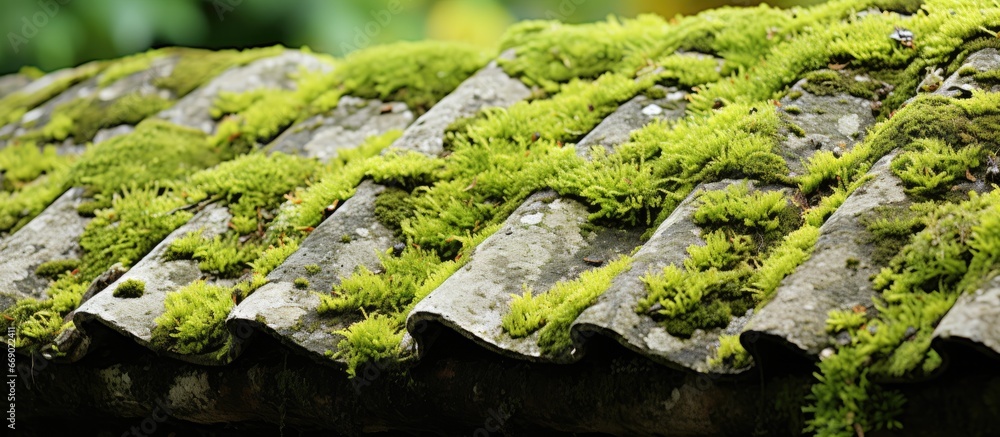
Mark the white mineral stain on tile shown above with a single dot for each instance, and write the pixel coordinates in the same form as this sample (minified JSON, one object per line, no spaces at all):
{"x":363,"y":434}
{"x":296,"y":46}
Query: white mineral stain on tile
{"x":532,"y":219}
{"x":849,"y":124}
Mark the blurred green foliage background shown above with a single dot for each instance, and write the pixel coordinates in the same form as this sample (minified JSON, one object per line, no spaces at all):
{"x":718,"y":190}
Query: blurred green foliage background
{"x":51,"y":34}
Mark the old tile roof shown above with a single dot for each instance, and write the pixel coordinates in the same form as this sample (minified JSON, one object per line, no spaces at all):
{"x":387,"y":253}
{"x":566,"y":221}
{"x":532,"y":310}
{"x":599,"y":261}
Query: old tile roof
{"x":641,"y":227}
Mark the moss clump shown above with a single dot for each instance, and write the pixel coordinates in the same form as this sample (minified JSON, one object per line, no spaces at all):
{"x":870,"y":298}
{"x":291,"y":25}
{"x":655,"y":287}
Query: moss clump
{"x":22,"y":163}
{"x":962,"y":123}
{"x":83,"y":118}
{"x":730,"y":353}
{"x":147,"y":218}
{"x":52,"y":269}
{"x":389,"y":292}
{"x":373,"y":339}
{"x":155,"y":151}
{"x":748,"y":250}
{"x":549,"y":53}
{"x":312,"y":269}
{"x":416,"y":73}
{"x":956,"y":251}
{"x":830,"y":83}
{"x":31,"y":177}
{"x":130,"y":289}
{"x":197,"y":66}
{"x":301,"y":283}
{"x":554,"y":311}
{"x":128,"y":66}
{"x":929,"y":166}
{"x":15,"y":105}
{"x":193,"y":320}
{"x":766,"y":216}
{"x":890,"y":229}
{"x":392,"y":207}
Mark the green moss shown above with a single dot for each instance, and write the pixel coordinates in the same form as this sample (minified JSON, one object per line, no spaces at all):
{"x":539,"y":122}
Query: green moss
{"x":301,"y":283}
{"x":767,"y":216}
{"x":373,"y":339}
{"x":52,"y":269}
{"x":929,"y":166}
{"x":135,"y":223}
{"x":17,"y":209}
{"x":890,"y":229}
{"x":391,"y":291}
{"x":198,"y":66}
{"x":730,"y":353}
{"x":31,"y":177}
{"x":312,"y":269}
{"x":792,"y":109}
{"x":391,"y":208}
{"x":346,"y":238}
{"x":39,"y":321}
{"x":549,"y":53}
{"x":959,"y":123}
{"x":840,"y":320}
{"x":175,"y":151}
{"x":552,"y":313}
{"x":128,"y":66}
{"x":22,"y":163}
{"x":416,"y":73}
{"x":15,"y":105}
{"x":193,"y":320}
{"x":184,"y":247}
{"x":130,"y":289}
{"x":750,"y":246}
{"x":955,"y":252}
{"x":829,"y":83}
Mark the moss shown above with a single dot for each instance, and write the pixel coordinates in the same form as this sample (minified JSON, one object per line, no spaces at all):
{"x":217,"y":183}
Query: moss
{"x":954,"y":253}
{"x":52,"y":269}
{"x":391,"y":291}
{"x":89,"y":208}
{"x":147,"y":218}
{"x":890,"y":229}
{"x":184,"y":247}
{"x":392,"y":207}
{"x":15,"y":105}
{"x":552,"y":313}
{"x":346,"y":238}
{"x":17,"y":209}
{"x":792,"y":109}
{"x":416,"y":73}
{"x":929,"y":166}
{"x":794,"y":94}
{"x":22,"y":163}
{"x":107,"y":167}
{"x":195,"y":67}
{"x":845,"y":321}
{"x":373,"y":339}
{"x":312,"y":269}
{"x":301,"y":283}
{"x":852,"y":263}
{"x":130,"y":289}
{"x":128,"y":66}
{"x":829,"y":83}
{"x":549,"y":53}
{"x":730,"y":353}
{"x":193,"y":320}
{"x":960,"y":123}
{"x":767,"y":216}
{"x":752,"y":241}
